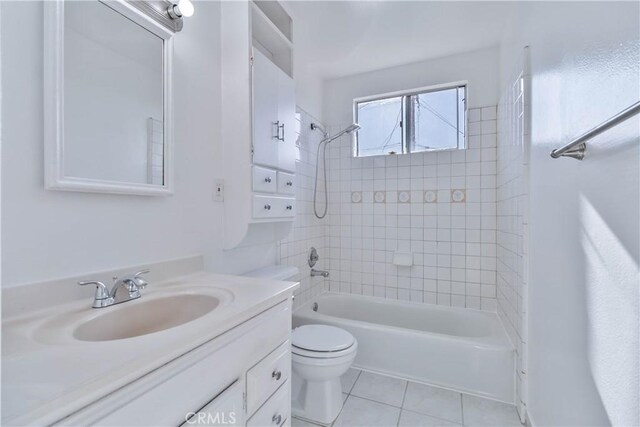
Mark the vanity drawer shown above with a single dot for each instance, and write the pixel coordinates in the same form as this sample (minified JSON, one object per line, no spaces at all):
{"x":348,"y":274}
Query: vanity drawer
{"x":267,"y":375}
{"x":275,"y":412}
{"x":264,"y":180}
{"x":286,"y":183}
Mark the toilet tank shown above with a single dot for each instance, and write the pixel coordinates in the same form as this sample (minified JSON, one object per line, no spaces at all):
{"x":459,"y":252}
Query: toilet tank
{"x":275,"y":272}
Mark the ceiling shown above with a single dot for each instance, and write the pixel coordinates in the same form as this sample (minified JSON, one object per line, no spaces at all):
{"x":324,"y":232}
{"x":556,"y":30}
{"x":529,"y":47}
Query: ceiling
{"x":339,"y":38}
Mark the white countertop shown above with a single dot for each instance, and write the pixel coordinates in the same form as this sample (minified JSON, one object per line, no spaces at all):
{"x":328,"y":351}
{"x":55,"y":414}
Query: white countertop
{"x":46,"y":378}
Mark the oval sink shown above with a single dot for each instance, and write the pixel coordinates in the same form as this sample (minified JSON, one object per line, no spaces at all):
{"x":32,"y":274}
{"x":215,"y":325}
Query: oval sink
{"x":146,"y":317}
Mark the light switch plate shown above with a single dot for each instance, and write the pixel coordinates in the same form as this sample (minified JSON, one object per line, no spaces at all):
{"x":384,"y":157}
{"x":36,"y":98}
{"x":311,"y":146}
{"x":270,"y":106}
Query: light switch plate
{"x":218,"y":191}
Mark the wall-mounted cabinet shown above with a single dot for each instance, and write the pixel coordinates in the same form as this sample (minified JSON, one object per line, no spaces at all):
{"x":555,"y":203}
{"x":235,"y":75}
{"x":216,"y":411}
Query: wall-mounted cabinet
{"x":258,"y":126}
{"x":274,"y":107}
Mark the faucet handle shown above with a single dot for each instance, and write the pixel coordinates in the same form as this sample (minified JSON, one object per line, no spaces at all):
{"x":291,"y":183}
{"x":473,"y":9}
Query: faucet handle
{"x":140,"y":282}
{"x":102,"y":293}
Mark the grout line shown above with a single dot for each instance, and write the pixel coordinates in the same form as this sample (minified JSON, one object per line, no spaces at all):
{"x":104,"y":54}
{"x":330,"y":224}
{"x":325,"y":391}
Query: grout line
{"x":307,"y":421}
{"x":341,"y":409}
{"x":404,"y":396}
{"x":354,"y":383}
{"x":376,"y":401}
{"x":462,"y":408}
{"x":433,"y":416}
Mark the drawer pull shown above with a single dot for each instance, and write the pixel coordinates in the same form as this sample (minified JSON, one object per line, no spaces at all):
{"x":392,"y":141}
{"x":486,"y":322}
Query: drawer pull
{"x":289,"y":207}
{"x":276,"y":375}
{"x":289,"y":183}
{"x":267,"y":207}
{"x":277,"y":419}
{"x":267,"y":179}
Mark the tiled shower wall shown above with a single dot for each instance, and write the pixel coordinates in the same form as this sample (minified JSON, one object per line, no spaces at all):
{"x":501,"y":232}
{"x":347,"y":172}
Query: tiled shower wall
{"x":512,"y":205}
{"x":307,"y":230}
{"x":380,"y":205}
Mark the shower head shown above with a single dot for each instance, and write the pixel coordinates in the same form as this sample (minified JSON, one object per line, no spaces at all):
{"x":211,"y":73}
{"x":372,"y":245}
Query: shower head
{"x":350,"y":129}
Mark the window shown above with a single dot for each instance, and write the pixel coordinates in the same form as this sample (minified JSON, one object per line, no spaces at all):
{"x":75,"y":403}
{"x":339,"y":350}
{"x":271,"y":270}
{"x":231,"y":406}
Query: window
{"x":428,"y":119}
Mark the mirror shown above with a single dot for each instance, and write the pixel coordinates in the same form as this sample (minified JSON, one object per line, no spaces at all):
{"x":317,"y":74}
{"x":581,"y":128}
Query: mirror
{"x":108,"y":124}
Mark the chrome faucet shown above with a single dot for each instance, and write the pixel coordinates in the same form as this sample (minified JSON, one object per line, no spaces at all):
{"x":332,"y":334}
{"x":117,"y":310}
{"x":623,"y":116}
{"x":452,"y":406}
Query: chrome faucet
{"x":124,"y":289}
{"x":323,"y":273}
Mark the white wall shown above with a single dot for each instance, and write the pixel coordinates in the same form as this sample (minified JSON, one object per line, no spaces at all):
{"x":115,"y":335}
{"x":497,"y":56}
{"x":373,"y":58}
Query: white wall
{"x":49,"y":234}
{"x":309,"y":85}
{"x":309,"y":90}
{"x":479,"y":68}
{"x":584,"y":216}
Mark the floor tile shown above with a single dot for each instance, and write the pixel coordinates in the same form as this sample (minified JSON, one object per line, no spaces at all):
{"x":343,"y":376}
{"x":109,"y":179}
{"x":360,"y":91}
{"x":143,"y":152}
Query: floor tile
{"x":484,"y":412}
{"x":349,"y":379}
{"x":433,"y":401}
{"x":296,"y":422}
{"x":414,"y":419}
{"x":366,"y":413}
{"x":380,"y":388}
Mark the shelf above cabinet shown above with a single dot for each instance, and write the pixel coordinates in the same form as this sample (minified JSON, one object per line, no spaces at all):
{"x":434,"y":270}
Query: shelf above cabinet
{"x":270,"y":40}
{"x":278,"y":15}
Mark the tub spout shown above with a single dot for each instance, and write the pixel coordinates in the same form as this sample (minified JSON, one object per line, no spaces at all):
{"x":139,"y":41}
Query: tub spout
{"x":322,"y":273}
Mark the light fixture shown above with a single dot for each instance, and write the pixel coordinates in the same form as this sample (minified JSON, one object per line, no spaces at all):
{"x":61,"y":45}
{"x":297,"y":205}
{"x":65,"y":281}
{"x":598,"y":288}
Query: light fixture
{"x":180,"y":9}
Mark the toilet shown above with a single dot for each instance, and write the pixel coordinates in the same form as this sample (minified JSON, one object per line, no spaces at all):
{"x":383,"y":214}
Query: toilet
{"x":320,"y":355}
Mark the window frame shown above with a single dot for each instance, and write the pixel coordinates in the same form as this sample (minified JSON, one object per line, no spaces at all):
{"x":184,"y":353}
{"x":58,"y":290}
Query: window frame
{"x":405,"y":96}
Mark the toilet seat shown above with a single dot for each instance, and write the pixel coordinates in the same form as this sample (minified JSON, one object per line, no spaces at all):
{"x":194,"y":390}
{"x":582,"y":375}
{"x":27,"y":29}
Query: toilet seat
{"x":322,"y":354}
{"x":321,"y":341}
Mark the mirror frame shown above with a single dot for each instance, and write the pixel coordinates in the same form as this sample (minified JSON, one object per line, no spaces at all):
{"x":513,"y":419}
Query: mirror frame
{"x":54,"y":120}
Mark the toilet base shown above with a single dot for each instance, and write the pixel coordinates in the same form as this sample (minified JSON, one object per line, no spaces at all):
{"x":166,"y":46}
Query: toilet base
{"x":316,"y":401}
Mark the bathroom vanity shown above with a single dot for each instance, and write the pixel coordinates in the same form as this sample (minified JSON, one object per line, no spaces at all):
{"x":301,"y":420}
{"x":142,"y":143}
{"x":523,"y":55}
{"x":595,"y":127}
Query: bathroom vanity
{"x":202,"y":349}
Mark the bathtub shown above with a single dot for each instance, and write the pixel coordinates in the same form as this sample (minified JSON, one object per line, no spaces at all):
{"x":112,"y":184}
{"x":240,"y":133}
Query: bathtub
{"x":456,"y":348}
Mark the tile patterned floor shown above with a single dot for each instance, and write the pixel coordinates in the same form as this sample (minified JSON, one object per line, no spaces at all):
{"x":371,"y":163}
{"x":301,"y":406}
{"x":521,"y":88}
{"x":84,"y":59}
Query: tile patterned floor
{"x":373,"y":400}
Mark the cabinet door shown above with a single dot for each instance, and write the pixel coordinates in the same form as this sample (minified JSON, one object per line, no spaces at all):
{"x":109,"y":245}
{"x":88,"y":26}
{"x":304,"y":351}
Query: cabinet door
{"x":265,"y":111}
{"x":287,"y":149}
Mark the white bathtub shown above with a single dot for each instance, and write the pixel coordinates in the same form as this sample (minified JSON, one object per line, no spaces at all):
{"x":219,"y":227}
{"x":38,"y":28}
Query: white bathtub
{"x":465,"y":350}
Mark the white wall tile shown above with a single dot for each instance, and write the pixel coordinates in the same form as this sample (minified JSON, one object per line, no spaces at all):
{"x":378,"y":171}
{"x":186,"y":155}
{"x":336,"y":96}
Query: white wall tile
{"x":441,"y":235}
{"x":307,"y":230}
{"x":510,"y":221}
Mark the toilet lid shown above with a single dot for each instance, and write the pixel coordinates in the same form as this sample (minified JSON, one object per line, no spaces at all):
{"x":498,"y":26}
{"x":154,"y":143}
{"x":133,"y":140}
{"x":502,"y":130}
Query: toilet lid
{"x":321,"y":338}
